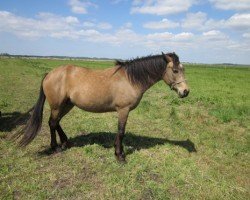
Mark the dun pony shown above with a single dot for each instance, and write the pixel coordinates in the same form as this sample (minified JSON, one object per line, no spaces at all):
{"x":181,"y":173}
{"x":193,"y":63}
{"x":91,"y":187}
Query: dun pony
{"x":119,"y":88}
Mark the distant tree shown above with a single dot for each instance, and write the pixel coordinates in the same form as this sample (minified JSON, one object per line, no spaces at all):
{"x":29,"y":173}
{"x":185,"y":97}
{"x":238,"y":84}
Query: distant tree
{"x":5,"y":54}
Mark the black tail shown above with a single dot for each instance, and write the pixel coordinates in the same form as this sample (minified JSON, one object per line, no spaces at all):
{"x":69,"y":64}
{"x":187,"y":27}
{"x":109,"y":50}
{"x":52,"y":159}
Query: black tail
{"x":33,"y":126}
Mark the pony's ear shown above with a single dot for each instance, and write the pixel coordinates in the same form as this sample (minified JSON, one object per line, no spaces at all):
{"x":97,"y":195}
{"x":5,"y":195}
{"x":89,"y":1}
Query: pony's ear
{"x":163,"y":54}
{"x":166,"y":57}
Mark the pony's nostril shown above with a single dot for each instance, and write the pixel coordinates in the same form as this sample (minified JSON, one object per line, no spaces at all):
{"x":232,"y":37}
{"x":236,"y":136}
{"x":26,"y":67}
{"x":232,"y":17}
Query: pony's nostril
{"x":185,"y":92}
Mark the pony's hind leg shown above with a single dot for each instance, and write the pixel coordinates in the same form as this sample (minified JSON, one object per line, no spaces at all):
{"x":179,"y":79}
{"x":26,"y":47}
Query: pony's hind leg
{"x":55,"y":117}
{"x":63,"y":137}
{"x":55,"y":126}
{"x":53,"y":123}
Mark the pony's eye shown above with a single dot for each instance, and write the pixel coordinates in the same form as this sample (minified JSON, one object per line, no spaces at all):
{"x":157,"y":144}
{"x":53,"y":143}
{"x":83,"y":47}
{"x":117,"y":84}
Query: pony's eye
{"x":175,"y":71}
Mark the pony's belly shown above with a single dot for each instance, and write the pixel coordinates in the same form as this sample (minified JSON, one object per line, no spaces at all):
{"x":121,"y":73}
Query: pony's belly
{"x":96,"y":103}
{"x":96,"y":108}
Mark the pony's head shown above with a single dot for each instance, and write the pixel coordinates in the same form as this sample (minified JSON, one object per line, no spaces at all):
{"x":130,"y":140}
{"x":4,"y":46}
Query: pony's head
{"x":174,"y":75}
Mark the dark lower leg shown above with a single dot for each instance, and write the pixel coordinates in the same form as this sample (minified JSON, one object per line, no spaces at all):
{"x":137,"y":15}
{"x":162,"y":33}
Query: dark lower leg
{"x":118,"y":143}
{"x":53,"y":142}
{"x":122,"y":119}
{"x":63,"y":136}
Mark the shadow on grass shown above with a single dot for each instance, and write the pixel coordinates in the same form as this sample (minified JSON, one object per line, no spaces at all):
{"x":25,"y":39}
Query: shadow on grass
{"x":9,"y":121}
{"x":131,"y":141}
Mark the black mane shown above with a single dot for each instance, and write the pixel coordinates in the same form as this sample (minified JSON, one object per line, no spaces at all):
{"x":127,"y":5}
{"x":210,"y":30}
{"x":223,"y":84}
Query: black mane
{"x":146,"y":70}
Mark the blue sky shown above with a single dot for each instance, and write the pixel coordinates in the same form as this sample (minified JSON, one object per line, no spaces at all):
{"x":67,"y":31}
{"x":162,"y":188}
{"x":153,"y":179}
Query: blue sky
{"x":204,"y":31}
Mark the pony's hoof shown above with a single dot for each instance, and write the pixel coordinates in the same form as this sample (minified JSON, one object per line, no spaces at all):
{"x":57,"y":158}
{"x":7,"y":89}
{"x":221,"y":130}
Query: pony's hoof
{"x":121,"y":158}
{"x":66,"y":145}
{"x":56,"y":150}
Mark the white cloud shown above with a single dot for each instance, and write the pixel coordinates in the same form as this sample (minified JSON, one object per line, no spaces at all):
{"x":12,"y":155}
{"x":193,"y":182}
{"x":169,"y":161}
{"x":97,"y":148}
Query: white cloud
{"x":231,"y":4}
{"x":194,"y":20}
{"x":71,"y":20}
{"x":246,"y":35}
{"x":184,"y":36}
{"x":47,"y":24}
{"x":104,"y":25}
{"x":239,"y":22}
{"x":215,"y":35}
{"x":167,"y":37}
{"x":61,"y":34}
{"x":160,"y":36}
{"x":214,"y":24}
{"x":80,"y":6}
{"x":101,"y":25}
{"x":199,"y":21}
{"x":127,"y":35}
{"x":127,"y":25}
{"x":163,"y":24}
{"x":50,"y":25}
{"x":161,"y":7}
{"x":88,"y":24}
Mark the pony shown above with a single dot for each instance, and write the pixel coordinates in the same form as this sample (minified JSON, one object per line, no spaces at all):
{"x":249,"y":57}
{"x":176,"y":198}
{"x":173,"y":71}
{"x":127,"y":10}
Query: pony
{"x":119,"y":88}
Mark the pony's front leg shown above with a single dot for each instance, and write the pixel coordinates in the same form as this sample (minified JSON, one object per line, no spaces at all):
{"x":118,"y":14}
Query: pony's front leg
{"x":122,"y":120}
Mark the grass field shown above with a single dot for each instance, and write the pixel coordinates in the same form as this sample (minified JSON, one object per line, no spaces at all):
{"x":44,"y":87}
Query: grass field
{"x":192,"y":148}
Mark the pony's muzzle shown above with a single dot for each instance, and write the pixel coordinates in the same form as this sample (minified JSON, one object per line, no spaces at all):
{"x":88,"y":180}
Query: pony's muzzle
{"x":184,"y":93}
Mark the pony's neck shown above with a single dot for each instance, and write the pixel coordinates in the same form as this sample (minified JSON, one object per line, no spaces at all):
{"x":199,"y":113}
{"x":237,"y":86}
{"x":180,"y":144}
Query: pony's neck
{"x":144,"y":88}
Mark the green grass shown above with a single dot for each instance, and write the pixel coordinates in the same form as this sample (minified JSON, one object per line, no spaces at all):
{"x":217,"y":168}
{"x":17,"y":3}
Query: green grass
{"x":162,"y":136}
